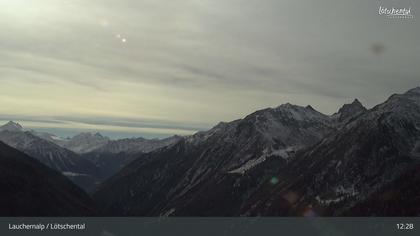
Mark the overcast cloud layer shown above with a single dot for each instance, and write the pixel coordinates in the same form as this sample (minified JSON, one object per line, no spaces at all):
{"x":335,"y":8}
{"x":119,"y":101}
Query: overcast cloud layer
{"x":158,"y":67}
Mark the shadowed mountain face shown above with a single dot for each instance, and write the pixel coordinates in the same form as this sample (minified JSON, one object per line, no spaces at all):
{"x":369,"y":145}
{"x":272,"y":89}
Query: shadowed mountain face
{"x":29,"y":188}
{"x":350,"y":166}
{"x":397,"y":198}
{"x":115,"y":154}
{"x":81,"y":171}
{"x":96,"y":143}
{"x":97,"y":158}
{"x":284,"y":161}
{"x":348,"y":112}
{"x":135,"y":145}
{"x":229,"y":150}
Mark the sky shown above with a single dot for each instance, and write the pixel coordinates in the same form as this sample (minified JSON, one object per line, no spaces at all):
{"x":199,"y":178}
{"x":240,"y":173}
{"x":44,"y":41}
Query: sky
{"x":155,"y":68}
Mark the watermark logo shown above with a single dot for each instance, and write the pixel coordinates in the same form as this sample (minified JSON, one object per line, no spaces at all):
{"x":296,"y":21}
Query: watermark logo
{"x":398,"y":13}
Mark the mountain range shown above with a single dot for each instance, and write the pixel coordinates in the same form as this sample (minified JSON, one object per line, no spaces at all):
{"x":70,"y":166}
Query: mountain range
{"x":284,"y":161}
{"x":86,"y":159}
{"x":83,"y":172}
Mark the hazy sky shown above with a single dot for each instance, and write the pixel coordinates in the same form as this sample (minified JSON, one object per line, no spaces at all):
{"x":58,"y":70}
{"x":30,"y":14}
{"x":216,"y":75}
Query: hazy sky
{"x":160,"y":67}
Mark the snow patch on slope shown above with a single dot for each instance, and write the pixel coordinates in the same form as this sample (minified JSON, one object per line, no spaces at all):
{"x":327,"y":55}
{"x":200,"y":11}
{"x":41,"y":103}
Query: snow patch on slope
{"x":341,"y":192}
{"x":283,"y":153}
{"x":248,"y":165}
{"x":72,"y":174}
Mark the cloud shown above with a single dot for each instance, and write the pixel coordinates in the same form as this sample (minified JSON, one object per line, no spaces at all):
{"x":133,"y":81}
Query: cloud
{"x":198,"y":61}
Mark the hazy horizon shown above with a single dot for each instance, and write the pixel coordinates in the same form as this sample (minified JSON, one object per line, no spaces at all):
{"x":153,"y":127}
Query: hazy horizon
{"x":131,"y":132}
{"x":154,"y":68}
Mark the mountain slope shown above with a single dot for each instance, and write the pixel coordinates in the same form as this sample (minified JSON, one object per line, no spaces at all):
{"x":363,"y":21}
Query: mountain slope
{"x":135,"y":145}
{"x":31,"y":189}
{"x":398,"y":198}
{"x":114,"y":155}
{"x":108,"y":156}
{"x":284,"y":161}
{"x":350,"y":165}
{"x":110,"y":163}
{"x":80,"y":170}
{"x":173,"y":176}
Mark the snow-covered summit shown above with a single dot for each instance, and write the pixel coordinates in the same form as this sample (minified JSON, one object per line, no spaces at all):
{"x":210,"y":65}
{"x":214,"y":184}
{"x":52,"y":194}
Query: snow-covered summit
{"x":86,"y":142}
{"x":90,"y":136}
{"x":49,"y":137}
{"x":12,"y":127}
{"x":136,"y":145}
{"x":400,"y":104}
{"x":298,"y":113}
{"x":348,"y":111}
{"x":356,"y":105}
{"x":415,"y":90}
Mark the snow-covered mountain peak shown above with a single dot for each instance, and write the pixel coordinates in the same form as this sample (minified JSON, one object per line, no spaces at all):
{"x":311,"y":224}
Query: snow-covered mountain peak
{"x":355,"y":106}
{"x":415,"y":90}
{"x":49,"y":136}
{"x":349,"y":111}
{"x":136,"y":145}
{"x":309,"y":107}
{"x":90,"y":135}
{"x":401,"y":103}
{"x":298,"y":113}
{"x":289,"y":106}
{"x":12,"y":127}
{"x":413,"y":95}
{"x":330,"y":164}
{"x":356,"y":102}
{"x":86,"y":142}
{"x":98,"y":135}
{"x":284,"y":123}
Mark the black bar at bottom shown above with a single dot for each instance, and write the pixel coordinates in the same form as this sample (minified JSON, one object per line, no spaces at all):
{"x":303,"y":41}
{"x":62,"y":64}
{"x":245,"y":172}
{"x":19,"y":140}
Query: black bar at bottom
{"x":234,"y":226}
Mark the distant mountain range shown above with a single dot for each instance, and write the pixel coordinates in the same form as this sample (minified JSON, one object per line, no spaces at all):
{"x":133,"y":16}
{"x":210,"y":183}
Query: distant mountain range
{"x":83,"y":172}
{"x":284,"y":161}
{"x":87,"y":159}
